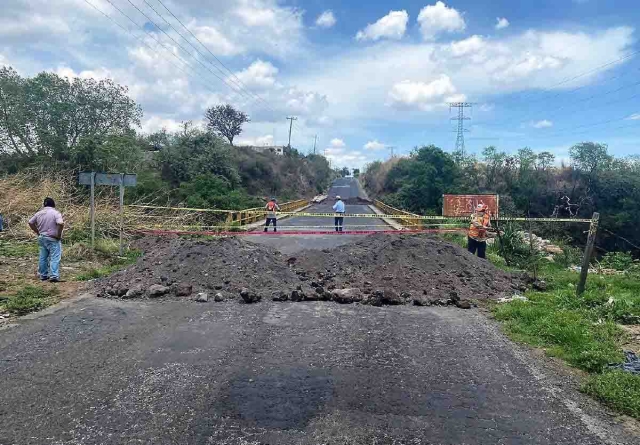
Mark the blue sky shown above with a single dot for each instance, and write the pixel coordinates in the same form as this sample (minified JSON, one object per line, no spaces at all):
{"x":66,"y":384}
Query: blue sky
{"x":363,"y":76}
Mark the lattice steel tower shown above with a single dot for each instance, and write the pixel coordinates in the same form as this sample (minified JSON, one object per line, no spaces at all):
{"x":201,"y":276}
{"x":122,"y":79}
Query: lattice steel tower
{"x":460,"y":118}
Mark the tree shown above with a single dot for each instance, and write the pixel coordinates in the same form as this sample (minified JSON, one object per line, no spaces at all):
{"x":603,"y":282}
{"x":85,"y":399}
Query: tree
{"x":588,"y":157}
{"x":345,"y":171}
{"x":421,"y":180}
{"x":356,"y":172}
{"x":226,"y":121}
{"x":545,"y":160}
{"x":45,"y":117}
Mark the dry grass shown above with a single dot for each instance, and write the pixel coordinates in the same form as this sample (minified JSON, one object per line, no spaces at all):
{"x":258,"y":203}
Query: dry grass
{"x":21,"y":195}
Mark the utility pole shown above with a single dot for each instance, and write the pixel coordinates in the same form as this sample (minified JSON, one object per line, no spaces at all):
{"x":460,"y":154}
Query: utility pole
{"x":391,"y":148}
{"x":315,"y":139}
{"x":291,"y":119}
{"x":460,"y":118}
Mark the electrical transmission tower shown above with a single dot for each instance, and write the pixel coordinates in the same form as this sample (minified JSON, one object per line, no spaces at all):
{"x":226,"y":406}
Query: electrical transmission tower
{"x":460,"y":118}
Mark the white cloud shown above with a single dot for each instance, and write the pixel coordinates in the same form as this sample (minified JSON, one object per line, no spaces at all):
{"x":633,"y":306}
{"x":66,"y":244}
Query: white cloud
{"x":258,"y":75}
{"x":634,"y":117}
{"x":422,"y":95}
{"x":341,"y":157}
{"x":472,"y":45}
{"x":486,"y":107}
{"x":337,"y":143}
{"x":98,"y":74}
{"x":33,"y":23}
{"x":326,"y":19}
{"x":501,"y":23}
{"x":439,"y":18}
{"x":514,"y":63}
{"x":374,"y":145}
{"x":216,"y":41}
{"x":391,"y":26}
{"x":542,"y":124}
{"x":157,"y":123}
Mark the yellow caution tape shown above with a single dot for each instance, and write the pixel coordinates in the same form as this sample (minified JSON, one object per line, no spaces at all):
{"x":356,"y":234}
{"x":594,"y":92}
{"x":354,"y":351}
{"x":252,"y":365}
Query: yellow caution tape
{"x":369,"y":215}
{"x":427,"y":217}
{"x":279,"y":227}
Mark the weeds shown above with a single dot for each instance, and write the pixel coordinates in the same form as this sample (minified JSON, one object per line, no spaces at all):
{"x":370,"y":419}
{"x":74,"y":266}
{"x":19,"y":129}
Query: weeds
{"x":18,"y":248}
{"x":584,"y":331}
{"x":619,"y":390}
{"x":114,"y":265}
{"x":29,"y":299}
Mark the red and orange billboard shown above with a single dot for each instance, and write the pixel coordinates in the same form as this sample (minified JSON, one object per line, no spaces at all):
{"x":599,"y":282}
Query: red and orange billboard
{"x":464,"y":205}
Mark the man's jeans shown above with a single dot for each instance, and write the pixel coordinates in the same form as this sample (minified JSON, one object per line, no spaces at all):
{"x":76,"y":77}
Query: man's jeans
{"x":50,"y":253}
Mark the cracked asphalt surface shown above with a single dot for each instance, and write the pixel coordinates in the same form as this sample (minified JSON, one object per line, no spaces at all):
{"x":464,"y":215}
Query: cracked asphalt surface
{"x":173,"y":371}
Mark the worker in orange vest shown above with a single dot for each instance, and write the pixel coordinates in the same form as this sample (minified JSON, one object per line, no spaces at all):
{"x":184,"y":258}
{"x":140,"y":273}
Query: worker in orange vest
{"x":478,"y":230}
{"x":271,"y":208}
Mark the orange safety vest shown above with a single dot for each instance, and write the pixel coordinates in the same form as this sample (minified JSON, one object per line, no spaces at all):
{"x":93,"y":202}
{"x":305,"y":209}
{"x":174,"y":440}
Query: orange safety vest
{"x":476,"y":233}
{"x":271,"y":206}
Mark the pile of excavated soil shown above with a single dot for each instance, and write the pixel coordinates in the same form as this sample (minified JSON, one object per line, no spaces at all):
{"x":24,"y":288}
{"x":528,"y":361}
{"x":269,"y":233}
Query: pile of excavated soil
{"x":223,"y":265}
{"x":378,"y":269}
{"x":415,"y":264}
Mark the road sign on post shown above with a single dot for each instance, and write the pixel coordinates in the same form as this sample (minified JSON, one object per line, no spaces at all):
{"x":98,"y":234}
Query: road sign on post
{"x":121,"y":180}
{"x":465,"y":205}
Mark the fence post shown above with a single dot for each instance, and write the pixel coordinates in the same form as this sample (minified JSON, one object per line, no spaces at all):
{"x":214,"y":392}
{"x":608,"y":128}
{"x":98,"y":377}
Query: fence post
{"x":120,"y":249}
{"x":92,"y":210}
{"x":588,"y":251}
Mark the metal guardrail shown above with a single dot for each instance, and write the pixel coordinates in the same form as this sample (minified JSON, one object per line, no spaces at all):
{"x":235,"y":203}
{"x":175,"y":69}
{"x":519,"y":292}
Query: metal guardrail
{"x":407,"y":222}
{"x":249,"y":216}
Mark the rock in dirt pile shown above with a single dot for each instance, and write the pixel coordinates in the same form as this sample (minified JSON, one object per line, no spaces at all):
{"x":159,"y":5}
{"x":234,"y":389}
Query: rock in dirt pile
{"x":377,"y":270}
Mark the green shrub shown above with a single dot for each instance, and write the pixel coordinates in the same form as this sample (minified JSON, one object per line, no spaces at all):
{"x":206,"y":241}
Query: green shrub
{"x":617,"y":260}
{"x":570,"y":334}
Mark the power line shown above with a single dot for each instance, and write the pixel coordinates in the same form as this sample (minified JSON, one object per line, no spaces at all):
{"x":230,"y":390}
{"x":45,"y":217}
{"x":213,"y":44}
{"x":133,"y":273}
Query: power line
{"x":147,"y":45}
{"x":579,"y":101}
{"x":177,"y":56}
{"x":237,"y":79}
{"x":571,"y":130}
{"x":586,"y":73}
{"x":564,"y":81}
{"x":183,"y":49}
{"x":241,"y":88}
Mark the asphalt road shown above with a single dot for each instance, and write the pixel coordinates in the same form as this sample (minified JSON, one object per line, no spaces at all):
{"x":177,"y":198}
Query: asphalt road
{"x":171,"y":371}
{"x":347,"y":189}
{"x":290,"y":244}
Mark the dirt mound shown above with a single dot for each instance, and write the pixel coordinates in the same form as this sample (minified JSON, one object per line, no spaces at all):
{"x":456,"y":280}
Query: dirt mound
{"x":377,"y":270}
{"x":225,"y":265}
{"x":415,"y":264}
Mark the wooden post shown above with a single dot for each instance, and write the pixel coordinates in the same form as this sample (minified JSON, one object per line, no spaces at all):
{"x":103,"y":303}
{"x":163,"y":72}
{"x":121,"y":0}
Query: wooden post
{"x":121,"y":211}
{"x":588,"y":251}
{"x":92,"y":210}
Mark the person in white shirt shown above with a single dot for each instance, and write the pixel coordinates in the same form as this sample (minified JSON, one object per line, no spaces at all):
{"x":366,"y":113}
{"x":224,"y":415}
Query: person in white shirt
{"x":339,"y":208}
